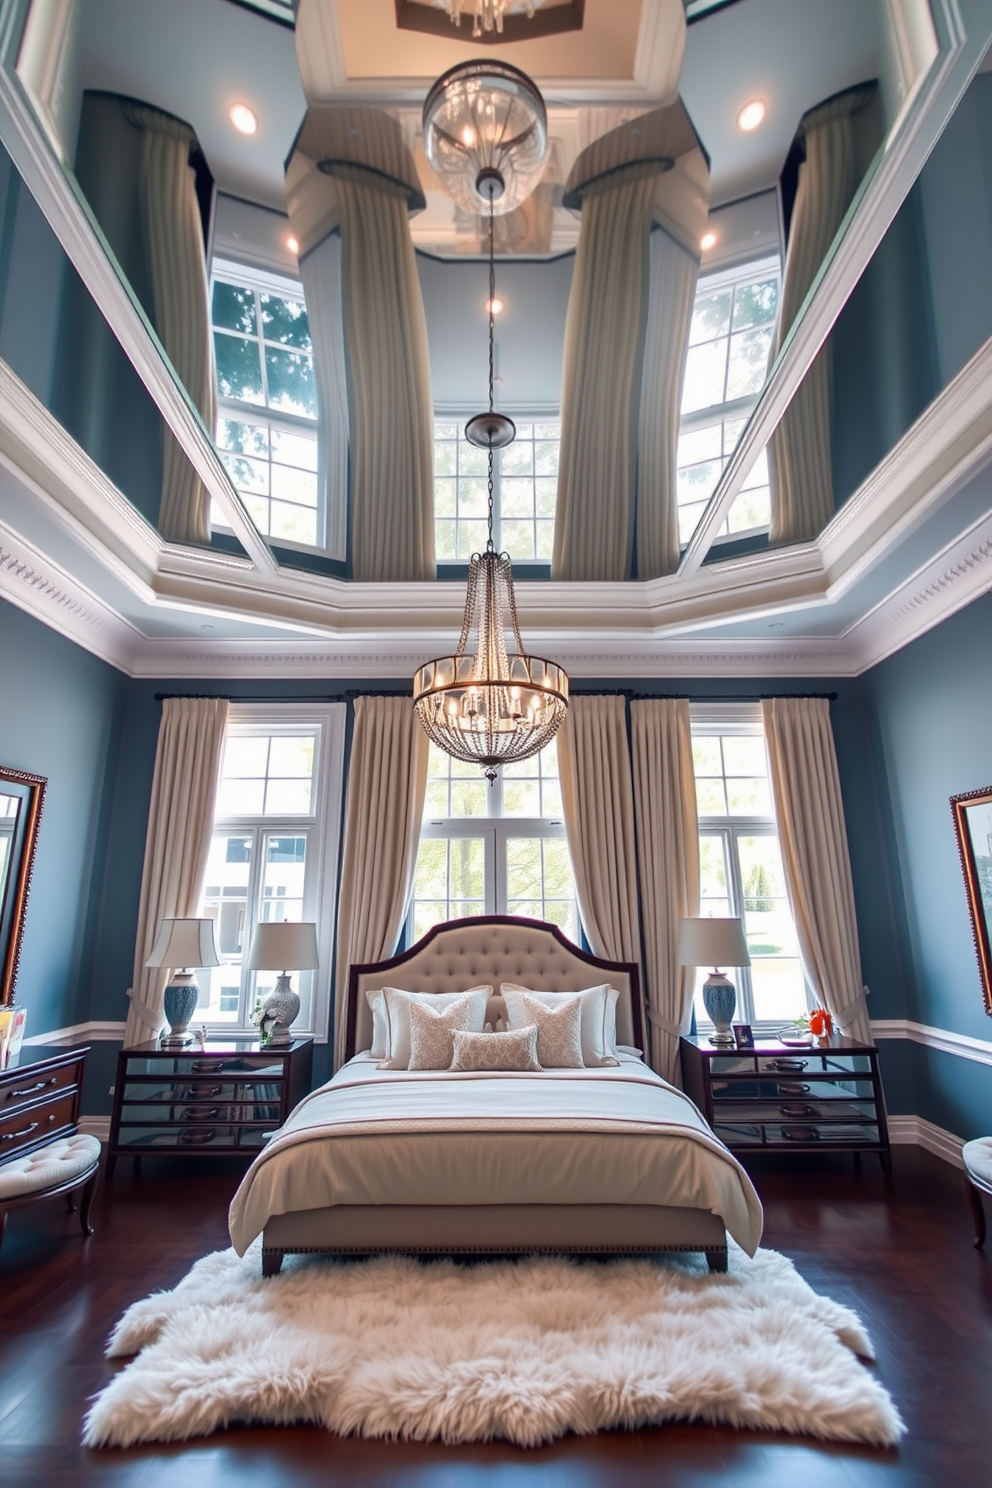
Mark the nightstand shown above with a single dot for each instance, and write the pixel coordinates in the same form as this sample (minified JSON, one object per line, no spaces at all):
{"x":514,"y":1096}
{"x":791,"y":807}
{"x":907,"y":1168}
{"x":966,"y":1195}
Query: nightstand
{"x":223,"y":1099}
{"x":825,"y":1097}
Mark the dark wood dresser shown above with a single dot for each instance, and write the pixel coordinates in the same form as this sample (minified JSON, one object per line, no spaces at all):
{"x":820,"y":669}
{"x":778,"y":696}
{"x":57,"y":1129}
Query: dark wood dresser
{"x":223,"y":1099}
{"x":39,"y":1098}
{"x":823,"y":1097}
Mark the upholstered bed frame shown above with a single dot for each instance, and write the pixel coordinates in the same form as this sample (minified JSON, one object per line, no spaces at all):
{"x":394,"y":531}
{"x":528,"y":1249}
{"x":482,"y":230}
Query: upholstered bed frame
{"x":463,"y":953}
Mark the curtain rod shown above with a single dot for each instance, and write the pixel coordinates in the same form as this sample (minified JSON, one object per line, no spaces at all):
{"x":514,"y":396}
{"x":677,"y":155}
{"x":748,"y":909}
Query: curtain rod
{"x":625,"y":692}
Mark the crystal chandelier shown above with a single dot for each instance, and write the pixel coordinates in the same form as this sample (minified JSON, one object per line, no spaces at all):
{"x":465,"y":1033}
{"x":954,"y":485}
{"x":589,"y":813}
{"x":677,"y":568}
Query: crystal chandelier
{"x":484,"y":705}
{"x":486,"y":135}
{"x":487,"y":14}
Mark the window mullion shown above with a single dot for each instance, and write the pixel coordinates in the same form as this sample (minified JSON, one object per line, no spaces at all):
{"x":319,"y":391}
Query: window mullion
{"x":745,"y":990}
{"x":495,"y":869}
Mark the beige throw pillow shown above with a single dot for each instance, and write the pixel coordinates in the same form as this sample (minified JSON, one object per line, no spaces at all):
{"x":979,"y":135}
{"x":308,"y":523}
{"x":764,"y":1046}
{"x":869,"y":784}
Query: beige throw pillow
{"x":516,"y":1050}
{"x":431,"y":1030}
{"x":599,"y":1018}
{"x":398,"y":1013}
{"x":559,"y":1030}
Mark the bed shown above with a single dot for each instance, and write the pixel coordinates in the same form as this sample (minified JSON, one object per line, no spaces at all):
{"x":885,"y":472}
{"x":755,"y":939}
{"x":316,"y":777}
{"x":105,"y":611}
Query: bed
{"x":604,"y":1160}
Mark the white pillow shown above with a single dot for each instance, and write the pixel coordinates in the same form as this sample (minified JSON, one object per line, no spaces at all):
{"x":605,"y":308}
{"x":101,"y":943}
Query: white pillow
{"x":398,"y":1013}
{"x":599,"y":1018}
{"x":496,"y":1051}
{"x":380,"y":1024}
{"x":430,"y":1032}
{"x":559,"y":1030}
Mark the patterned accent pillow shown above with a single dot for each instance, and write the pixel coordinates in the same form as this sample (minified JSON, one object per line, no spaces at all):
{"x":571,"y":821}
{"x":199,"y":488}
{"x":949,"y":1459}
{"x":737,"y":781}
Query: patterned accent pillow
{"x":559,"y":1030}
{"x":516,"y":1050}
{"x":431,"y":1031}
{"x":599,"y":1018}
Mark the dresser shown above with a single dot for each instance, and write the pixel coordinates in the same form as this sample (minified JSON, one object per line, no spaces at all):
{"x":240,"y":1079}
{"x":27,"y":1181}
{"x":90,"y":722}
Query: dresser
{"x":39,"y":1098}
{"x":223,"y":1099}
{"x":825,"y":1097}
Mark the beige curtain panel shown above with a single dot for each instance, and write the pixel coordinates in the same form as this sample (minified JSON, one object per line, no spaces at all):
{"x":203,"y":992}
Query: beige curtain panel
{"x":387,"y":782}
{"x":321,"y":276}
{"x":668,"y":863}
{"x":182,"y":309}
{"x":801,"y":463}
{"x":810,"y":815}
{"x":392,"y":410}
{"x":180,"y":826}
{"x":604,"y":336}
{"x":598,"y":804}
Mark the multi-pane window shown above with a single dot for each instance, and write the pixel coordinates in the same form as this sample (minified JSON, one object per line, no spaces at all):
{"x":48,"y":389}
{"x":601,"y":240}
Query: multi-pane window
{"x":276,"y":814}
{"x":730,"y":341}
{"x":267,"y":402}
{"x":525,"y":484}
{"x":493,"y":849}
{"x":741,"y":863}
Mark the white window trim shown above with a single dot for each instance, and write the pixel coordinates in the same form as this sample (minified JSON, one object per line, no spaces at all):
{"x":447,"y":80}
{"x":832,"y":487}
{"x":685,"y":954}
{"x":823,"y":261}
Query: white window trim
{"x":266,"y":281}
{"x":733,"y":408}
{"x":744,"y":719}
{"x":284,"y":717}
{"x":445,"y":414}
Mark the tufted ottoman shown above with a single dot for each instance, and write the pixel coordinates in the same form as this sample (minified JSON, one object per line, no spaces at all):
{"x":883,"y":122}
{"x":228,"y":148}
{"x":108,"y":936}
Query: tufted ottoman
{"x":58,"y":1168}
{"x":977,"y":1159}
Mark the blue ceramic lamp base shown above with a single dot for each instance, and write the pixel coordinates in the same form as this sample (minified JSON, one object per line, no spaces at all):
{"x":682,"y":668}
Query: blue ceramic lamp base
{"x":720,"y":1002}
{"x":181,"y":996}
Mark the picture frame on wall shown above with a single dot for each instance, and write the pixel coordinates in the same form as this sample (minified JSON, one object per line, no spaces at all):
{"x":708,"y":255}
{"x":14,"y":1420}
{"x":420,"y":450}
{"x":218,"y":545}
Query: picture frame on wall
{"x":973,"y":825}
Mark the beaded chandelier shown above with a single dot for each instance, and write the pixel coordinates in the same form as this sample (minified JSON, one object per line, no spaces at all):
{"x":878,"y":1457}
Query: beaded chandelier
{"x":487,"y":15}
{"x":486,"y":705}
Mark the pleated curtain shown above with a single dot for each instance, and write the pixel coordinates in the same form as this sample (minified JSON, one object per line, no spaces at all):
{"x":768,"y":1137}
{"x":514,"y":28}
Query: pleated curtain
{"x":668,"y":865}
{"x":604,"y":339}
{"x":182,"y":313}
{"x":598,"y":805}
{"x":177,"y":842}
{"x":387,"y":783}
{"x":801,"y":466}
{"x":672,"y":275}
{"x":392,"y":428}
{"x":813,"y":837}
{"x":321,"y":277}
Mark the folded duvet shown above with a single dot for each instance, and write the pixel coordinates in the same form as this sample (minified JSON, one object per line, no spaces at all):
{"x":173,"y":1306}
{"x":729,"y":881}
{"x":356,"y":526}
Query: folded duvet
{"x":615,"y":1135}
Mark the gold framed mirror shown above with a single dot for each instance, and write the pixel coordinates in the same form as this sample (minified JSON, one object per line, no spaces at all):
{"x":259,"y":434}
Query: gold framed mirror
{"x":22,"y":796}
{"x":973,"y":825}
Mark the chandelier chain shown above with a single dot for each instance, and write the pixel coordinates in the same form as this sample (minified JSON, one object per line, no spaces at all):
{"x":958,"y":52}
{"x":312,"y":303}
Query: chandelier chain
{"x":490,"y":546}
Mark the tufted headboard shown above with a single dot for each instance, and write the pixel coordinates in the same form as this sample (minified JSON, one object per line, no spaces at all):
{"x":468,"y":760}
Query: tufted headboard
{"x":493,"y":949}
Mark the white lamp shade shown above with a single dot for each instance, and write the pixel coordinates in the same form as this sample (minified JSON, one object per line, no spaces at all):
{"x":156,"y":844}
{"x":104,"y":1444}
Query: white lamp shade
{"x":284,"y":945}
{"x":712,"y":943}
{"x":184,"y":942}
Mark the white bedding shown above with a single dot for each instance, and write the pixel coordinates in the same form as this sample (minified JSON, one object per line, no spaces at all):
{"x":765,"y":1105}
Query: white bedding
{"x":617,"y":1135}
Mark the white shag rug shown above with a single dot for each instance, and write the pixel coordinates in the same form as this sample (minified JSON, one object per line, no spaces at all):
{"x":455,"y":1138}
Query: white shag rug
{"x":521,"y":1350}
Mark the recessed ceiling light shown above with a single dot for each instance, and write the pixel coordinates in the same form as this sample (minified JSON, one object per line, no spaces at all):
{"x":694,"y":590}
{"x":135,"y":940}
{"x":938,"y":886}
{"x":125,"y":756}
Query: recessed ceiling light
{"x":707,"y":241}
{"x":244,"y":119}
{"x":496,"y":305}
{"x":293,"y":244}
{"x":751,"y":115}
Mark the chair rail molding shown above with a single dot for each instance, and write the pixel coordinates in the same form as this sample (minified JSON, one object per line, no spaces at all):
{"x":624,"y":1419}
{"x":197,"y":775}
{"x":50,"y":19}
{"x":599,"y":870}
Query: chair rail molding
{"x":942,"y":1039}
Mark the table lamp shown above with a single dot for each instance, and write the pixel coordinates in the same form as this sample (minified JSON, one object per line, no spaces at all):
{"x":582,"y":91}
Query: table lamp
{"x":283,"y":946}
{"x":715,"y":942}
{"x":183,"y":943}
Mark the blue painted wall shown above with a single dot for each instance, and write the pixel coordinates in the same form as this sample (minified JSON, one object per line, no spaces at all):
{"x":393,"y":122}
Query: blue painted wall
{"x":60,"y":718}
{"x":930,"y":710}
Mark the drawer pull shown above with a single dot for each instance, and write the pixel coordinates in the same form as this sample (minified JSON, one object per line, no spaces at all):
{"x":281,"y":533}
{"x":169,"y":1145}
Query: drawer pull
{"x":13,"y":1136}
{"x":41,"y":1085}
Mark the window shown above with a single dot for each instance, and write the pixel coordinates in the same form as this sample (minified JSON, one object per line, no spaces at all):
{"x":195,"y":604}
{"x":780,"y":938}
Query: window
{"x":730,"y":340}
{"x":741,"y":864}
{"x":525,"y":488}
{"x":273,"y":854}
{"x":267,"y":402}
{"x":493,"y":849}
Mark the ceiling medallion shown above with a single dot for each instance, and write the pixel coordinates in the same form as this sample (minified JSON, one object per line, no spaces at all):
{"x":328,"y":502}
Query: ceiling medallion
{"x":484,"y":705}
{"x":486,"y":135}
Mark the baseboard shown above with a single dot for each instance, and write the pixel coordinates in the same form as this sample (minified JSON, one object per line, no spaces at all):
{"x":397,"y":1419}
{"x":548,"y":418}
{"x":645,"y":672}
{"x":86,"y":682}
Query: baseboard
{"x":916,"y":1131}
{"x":95,"y":1126}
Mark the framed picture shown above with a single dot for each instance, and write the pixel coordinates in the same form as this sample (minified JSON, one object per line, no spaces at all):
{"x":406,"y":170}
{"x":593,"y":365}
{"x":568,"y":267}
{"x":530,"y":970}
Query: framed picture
{"x":744,"y":1035}
{"x":973,"y":824}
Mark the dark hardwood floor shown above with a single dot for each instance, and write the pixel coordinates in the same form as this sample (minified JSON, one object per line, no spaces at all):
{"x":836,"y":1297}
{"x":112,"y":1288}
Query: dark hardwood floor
{"x":902,"y":1258}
